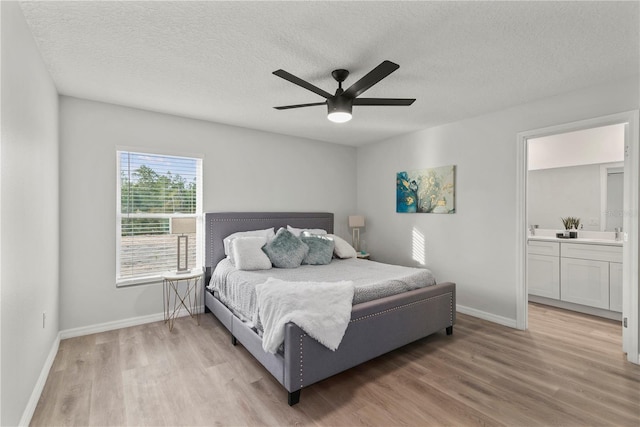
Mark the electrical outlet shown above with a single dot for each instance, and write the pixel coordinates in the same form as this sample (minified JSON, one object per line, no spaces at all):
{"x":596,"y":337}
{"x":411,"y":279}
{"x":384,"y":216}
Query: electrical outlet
{"x":594,"y":221}
{"x":44,"y":319}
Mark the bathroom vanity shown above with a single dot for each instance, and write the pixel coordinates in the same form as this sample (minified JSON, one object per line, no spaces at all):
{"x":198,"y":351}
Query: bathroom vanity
{"x":578,"y":274}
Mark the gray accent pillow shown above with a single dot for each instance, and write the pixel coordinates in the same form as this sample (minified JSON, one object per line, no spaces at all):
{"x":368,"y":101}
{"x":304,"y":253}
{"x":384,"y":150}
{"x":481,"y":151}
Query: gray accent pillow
{"x":286,"y":250}
{"x":320,"y":248}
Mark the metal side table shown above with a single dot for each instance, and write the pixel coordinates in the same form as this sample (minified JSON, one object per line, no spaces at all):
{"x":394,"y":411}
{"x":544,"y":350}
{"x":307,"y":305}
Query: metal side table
{"x":185,"y":289}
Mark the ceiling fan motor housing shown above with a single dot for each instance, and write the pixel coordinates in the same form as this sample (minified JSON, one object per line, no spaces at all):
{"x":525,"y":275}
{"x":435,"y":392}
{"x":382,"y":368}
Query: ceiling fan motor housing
{"x":340,"y":104}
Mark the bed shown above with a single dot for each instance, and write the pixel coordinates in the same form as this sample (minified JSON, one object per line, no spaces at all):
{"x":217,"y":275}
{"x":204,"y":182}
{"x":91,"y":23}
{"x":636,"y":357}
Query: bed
{"x":376,"y":327}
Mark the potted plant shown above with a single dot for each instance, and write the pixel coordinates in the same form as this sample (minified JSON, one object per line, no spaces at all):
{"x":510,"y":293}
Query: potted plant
{"x":571,"y":224}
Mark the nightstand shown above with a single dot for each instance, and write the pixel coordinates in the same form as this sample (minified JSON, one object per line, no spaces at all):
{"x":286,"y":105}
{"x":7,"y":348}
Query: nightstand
{"x":365,"y":255}
{"x":185,"y":290}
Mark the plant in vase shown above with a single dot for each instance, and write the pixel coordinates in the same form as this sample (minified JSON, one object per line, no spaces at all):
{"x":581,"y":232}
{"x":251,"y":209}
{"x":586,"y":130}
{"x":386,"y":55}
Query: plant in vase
{"x":571,"y":224}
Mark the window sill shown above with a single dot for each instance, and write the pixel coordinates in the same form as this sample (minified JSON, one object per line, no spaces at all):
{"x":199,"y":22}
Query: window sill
{"x":124,"y":283}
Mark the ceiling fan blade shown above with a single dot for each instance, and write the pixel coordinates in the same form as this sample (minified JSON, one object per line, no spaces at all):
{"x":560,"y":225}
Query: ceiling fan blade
{"x":373,"y":77}
{"x":298,"y":81}
{"x":288,"y":107}
{"x":383,"y":101}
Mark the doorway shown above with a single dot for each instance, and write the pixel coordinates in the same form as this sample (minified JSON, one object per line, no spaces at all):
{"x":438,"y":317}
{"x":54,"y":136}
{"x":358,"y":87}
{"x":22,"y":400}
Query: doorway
{"x":576,"y":175}
{"x":629,"y":271}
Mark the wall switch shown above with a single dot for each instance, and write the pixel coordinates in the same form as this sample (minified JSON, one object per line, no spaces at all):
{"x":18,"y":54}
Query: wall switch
{"x":44,"y":319}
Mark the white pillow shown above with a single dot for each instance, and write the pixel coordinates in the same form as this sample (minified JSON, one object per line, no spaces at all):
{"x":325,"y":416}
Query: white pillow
{"x":248,"y":255}
{"x":342,"y":248}
{"x":298,"y":231}
{"x":269,"y":233}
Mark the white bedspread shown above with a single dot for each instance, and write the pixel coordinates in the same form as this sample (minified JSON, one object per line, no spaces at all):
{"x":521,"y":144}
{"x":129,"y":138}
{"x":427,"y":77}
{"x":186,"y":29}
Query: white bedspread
{"x":321,"y":309}
{"x":372,"y":280}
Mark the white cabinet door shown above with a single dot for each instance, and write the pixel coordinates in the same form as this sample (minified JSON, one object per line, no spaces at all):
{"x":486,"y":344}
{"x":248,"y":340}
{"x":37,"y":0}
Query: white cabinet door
{"x":543,"y":276}
{"x":585,"y":282}
{"x":615,"y":286}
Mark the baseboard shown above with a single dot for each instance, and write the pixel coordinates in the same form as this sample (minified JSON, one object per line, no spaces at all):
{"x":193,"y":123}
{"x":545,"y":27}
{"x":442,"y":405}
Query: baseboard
{"x":505,"y":321}
{"x":119,"y":324}
{"x":39,"y":387}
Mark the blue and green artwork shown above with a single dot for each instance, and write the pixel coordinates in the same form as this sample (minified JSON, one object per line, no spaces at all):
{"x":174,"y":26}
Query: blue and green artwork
{"x":426,"y":191}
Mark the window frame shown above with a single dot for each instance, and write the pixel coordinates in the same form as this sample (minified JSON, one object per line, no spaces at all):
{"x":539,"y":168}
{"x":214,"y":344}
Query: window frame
{"x":156,"y":277}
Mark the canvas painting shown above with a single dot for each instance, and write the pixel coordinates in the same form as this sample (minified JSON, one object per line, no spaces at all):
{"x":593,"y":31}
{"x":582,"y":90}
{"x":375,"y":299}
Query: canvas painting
{"x":426,"y":191}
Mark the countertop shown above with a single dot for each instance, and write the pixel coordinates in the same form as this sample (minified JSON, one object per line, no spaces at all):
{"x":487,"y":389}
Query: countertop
{"x":606,"y":242}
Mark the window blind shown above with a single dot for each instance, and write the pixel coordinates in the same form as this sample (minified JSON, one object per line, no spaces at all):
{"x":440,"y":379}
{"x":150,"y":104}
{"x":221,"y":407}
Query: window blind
{"x":151,"y":190}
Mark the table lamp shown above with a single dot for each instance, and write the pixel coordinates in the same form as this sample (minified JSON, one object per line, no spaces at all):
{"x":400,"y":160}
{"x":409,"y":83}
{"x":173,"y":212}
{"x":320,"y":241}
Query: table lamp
{"x":182,"y":227}
{"x":356,"y":222}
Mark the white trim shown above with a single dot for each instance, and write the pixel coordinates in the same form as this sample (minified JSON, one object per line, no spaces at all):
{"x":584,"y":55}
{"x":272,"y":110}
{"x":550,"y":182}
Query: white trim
{"x":631,"y":302}
{"x":120,"y":324}
{"x":604,"y":190}
{"x":118,"y":215}
{"x":160,"y":152}
{"x":39,"y":386}
{"x":522,"y":225}
{"x":1,"y":216}
{"x":137,"y":281}
{"x":505,"y":321}
{"x":630,"y":296}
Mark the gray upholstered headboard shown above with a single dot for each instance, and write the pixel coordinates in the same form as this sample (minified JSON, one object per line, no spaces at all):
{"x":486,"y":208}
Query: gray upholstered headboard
{"x":219,"y":225}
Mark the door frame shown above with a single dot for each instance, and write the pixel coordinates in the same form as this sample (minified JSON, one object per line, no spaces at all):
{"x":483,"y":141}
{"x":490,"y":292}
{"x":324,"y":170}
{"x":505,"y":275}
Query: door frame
{"x":631,"y":299}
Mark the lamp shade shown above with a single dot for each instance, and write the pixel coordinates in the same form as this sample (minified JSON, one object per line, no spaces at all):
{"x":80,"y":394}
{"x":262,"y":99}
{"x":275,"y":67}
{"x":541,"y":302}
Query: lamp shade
{"x":183,"y":225}
{"x":356,"y":221}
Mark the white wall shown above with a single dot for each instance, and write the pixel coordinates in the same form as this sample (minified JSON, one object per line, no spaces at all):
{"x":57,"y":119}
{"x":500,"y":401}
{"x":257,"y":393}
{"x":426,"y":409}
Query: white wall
{"x":476,"y":246}
{"x":244,"y":170}
{"x":29,"y":214}
{"x":603,"y":144}
{"x":560,"y":192}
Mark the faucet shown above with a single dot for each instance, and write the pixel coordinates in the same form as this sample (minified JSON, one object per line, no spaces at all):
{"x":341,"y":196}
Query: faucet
{"x":618,"y":231}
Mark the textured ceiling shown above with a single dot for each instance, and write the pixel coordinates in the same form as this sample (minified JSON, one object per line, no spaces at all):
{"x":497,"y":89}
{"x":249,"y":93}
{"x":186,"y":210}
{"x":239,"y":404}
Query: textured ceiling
{"x":213,"y":60}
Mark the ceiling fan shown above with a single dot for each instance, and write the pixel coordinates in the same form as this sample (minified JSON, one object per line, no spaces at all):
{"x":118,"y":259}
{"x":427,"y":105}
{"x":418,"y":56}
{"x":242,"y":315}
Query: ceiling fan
{"x":340,"y":105}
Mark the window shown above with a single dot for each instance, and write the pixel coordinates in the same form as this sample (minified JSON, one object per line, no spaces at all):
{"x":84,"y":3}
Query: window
{"x":152,"y":189}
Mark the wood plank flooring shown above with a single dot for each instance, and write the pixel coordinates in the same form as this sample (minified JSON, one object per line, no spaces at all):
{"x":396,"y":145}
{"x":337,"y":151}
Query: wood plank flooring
{"x":567,"y":369}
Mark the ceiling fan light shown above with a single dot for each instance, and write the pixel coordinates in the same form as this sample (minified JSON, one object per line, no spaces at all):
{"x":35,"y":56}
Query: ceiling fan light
{"x":339,"y":109}
{"x":339,"y":116}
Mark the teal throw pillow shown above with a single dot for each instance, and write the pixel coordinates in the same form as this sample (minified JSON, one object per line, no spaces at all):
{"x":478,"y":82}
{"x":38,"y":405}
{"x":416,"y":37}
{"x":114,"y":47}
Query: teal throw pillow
{"x":320,"y":249}
{"x":286,"y":250}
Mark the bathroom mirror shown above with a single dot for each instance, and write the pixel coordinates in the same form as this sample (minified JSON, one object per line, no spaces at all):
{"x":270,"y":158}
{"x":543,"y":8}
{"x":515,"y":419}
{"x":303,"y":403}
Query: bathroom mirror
{"x":611,"y":196}
{"x":577,"y":174}
{"x":567,"y":191}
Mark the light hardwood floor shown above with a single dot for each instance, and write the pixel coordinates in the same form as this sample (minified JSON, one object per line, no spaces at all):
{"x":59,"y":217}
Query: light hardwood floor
{"x":568,"y":369}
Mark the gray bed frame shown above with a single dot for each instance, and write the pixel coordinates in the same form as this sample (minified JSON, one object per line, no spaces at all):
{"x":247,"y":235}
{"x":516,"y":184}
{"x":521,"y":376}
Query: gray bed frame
{"x":376,"y":327}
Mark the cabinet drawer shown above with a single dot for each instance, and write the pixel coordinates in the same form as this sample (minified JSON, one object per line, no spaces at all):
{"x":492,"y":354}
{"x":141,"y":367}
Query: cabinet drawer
{"x":543,"y":248}
{"x":592,"y":252}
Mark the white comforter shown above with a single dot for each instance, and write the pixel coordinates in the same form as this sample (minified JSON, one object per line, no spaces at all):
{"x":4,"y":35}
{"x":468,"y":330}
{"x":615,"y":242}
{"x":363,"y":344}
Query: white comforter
{"x":372,"y":280}
{"x":321,"y":309}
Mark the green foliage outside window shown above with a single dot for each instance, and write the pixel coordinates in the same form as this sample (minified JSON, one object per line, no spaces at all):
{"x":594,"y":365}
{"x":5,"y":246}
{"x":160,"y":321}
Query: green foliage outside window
{"x":150,"y":192}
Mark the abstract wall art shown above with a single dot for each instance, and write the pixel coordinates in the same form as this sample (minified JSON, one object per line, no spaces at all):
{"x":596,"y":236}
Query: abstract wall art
{"x":426,"y":191}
